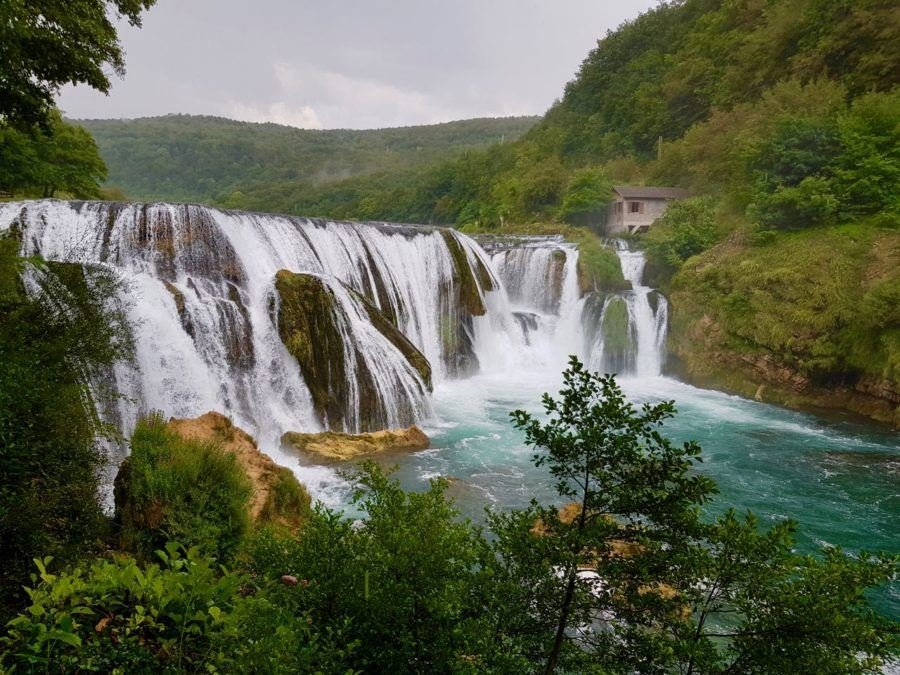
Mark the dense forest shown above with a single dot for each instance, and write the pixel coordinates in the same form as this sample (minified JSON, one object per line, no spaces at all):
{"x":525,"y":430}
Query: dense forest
{"x":185,"y":157}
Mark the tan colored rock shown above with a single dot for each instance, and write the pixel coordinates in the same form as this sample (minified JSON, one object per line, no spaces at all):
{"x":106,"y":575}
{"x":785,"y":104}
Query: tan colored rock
{"x":277,"y":495}
{"x":331,"y":446}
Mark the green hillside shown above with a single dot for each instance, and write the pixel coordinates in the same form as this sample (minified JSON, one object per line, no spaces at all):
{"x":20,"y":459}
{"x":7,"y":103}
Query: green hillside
{"x":184,"y":157}
{"x":665,"y":76}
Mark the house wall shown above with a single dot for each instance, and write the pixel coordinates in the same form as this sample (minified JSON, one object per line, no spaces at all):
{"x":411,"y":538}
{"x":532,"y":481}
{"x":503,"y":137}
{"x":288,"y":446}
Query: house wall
{"x":625,"y":222}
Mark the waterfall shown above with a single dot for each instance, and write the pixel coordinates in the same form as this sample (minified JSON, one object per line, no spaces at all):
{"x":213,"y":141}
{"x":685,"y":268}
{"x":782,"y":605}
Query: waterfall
{"x":647,"y":311}
{"x":395,"y":310}
{"x":534,"y":319}
{"x":625,"y":333}
{"x":201,"y":300}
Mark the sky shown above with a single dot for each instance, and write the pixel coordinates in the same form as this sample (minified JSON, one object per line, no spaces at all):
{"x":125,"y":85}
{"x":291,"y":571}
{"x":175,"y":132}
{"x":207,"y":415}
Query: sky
{"x":325,"y":64}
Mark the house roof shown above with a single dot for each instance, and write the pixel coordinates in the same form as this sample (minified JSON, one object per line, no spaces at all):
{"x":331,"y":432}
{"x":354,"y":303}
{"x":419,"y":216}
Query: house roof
{"x":649,"y":192}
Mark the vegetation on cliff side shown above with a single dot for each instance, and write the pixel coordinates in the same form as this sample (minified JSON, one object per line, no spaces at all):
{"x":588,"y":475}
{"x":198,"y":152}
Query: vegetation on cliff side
{"x":57,"y":334}
{"x":171,"y":488}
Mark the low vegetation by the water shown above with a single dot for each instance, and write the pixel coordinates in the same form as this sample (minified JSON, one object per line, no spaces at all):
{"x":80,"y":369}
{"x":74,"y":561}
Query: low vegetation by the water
{"x":631,"y":577}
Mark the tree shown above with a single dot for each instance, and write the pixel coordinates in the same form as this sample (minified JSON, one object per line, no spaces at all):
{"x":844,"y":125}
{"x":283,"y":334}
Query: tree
{"x":687,"y":228}
{"x":42,"y":162}
{"x":631,"y":491}
{"x":588,"y":193}
{"x":45,"y":44}
{"x":55,"y":340}
{"x":629,"y":577}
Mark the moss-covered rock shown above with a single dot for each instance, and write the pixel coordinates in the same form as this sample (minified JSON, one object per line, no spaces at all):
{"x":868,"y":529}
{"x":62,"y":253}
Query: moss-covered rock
{"x":330,"y":446}
{"x":465,"y":282}
{"x":619,"y":348}
{"x":461,"y":300}
{"x":308,"y":326}
{"x":386,"y":327}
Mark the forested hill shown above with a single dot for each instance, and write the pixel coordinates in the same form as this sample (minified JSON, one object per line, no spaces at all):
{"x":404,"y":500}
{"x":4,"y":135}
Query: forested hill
{"x":185,"y":157}
{"x":711,"y":79}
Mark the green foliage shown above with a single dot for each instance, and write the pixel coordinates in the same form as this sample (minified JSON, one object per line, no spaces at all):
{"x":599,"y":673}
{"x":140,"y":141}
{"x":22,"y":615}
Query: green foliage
{"x":628,"y":578}
{"x":46,"y":45}
{"x":821,"y":299}
{"x":174,"y":489}
{"x":42,"y":162}
{"x":54,"y":340}
{"x":671,"y":592}
{"x":687,"y":228}
{"x":588,"y":193}
{"x":288,"y":501}
{"x":398,"y":586}
{"x":115,"y":615}
{"x":630,"y":484}
{"x":272,"y":167}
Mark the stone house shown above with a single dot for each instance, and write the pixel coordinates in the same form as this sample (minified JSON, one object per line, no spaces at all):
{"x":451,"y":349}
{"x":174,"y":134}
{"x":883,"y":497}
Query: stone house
{"x":635,"y":208}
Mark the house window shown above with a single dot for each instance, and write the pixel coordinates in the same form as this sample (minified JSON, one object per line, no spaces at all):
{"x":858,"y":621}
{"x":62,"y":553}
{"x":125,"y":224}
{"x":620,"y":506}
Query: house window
{"x":636,"y":207}
{"x":618,"y":207}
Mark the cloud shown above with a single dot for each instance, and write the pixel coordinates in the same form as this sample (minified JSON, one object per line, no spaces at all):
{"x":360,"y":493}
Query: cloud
{"x":302,"y":117}
{"x":351,"y":64}
{"x":345,"y":101}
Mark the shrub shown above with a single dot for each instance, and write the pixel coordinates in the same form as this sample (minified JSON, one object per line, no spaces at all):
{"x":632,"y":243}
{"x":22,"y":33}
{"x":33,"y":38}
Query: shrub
{"x":288,"y":501}
{"x":687,"y":228}
{"x":116,"y":616}
{"x":586,"y":196}
{"x":172,"y":488}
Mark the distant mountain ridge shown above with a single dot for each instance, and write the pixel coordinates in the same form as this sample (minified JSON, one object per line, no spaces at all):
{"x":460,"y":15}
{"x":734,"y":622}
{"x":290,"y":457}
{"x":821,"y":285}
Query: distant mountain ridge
{"x":214,"y":159}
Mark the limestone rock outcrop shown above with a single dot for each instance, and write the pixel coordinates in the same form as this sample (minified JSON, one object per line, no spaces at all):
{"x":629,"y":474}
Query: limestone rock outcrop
{"x":330,"y":446}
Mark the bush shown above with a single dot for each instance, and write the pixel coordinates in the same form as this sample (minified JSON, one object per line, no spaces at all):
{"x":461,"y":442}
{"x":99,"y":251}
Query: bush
{"x":586,"y":197}
{"x":116,"y":616}
{"x":399,"y":585}
{"x":172,"y":488}
{"x":687,"y":228}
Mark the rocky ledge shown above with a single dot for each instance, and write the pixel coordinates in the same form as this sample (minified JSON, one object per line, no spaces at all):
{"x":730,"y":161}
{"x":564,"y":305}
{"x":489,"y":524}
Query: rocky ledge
{"x":331,"y":446}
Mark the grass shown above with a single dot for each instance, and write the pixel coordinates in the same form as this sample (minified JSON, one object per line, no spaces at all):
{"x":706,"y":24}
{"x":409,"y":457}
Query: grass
{"x":174,"y":489}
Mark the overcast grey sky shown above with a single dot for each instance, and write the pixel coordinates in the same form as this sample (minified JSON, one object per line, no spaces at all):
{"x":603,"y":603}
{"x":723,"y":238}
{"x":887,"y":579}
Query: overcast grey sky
{"x":352,"y":63}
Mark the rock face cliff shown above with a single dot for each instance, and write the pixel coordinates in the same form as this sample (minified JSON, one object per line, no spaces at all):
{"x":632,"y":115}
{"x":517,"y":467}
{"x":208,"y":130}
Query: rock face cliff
{"x":809,"y":318}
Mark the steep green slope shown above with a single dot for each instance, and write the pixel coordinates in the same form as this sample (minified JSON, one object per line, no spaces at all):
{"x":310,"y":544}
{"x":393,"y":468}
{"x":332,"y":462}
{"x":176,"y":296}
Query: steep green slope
{"x":183,"y":157}
{"x":810,"y":317}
